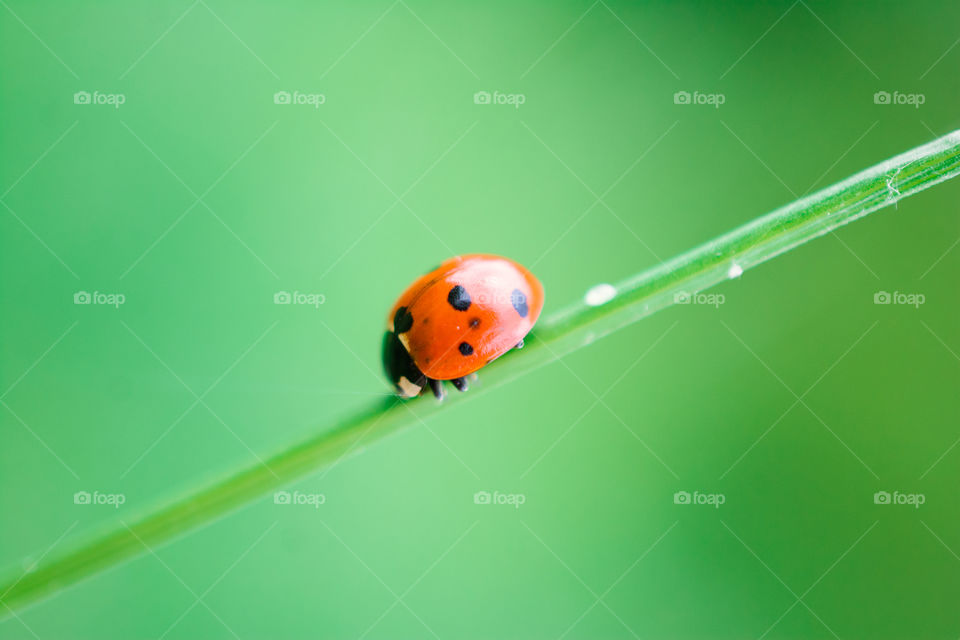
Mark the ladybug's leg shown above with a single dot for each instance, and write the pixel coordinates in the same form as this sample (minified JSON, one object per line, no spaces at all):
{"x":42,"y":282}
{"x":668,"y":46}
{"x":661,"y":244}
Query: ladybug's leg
{"x":437,"y":387}
{"x":460,"y":384}
{"x":519,"y":345}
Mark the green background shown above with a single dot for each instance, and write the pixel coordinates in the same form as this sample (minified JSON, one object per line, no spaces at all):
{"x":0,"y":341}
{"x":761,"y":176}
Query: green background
{"x":200,"y":198}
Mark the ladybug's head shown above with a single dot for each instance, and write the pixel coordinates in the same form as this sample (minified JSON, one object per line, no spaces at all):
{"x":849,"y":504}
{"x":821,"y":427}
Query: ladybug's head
{"x":408,"y":381}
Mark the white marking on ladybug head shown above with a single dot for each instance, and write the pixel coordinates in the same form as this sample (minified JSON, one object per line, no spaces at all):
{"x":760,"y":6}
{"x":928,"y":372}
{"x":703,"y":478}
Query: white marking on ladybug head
{"x":407,"y":388}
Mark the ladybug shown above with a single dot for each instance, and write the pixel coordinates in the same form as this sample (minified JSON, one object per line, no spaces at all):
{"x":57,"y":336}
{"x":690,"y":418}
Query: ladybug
{"x":454,"y":320}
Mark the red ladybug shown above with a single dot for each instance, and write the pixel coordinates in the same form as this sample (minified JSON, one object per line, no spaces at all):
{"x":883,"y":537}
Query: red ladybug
{"x":452,"y":321}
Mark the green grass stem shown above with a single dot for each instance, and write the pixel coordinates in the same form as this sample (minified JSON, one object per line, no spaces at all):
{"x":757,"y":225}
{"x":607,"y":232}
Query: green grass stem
{"x":571,"y":328}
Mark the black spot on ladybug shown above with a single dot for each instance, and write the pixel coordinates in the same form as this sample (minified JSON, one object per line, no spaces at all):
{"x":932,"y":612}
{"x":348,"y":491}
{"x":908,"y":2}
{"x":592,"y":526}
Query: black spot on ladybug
{"x":474,"y":323}
{"x":402,"y":320}
{"x":519,"y":302}
{"x":458,"y":298}
{"x":466,"y":349}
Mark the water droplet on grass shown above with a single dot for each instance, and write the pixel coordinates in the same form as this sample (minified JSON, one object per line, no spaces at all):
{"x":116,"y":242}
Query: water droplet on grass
{"x":600,"y":294}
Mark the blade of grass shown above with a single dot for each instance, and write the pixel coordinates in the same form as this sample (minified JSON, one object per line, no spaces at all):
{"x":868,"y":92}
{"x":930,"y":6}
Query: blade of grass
{"x":576,"y":326}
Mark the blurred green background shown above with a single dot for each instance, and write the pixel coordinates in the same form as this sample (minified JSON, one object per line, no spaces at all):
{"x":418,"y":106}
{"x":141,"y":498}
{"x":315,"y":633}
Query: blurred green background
{"x":200,"y":197}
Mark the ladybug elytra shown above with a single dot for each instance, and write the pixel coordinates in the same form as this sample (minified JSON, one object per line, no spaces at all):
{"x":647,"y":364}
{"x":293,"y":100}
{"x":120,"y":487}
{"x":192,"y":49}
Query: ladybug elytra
{"x":454,"y":320}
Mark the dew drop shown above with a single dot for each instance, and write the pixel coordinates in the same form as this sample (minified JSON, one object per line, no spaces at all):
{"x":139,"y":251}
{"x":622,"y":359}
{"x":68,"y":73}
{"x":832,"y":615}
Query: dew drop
{"x":600,"y":294}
